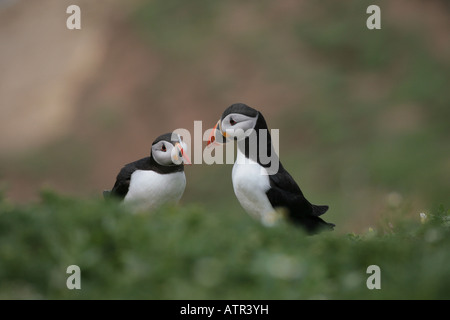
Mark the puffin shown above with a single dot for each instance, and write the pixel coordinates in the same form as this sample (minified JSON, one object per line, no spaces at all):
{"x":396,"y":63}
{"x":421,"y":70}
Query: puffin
{"x":265,"y":190}
{"x":153,"y":181}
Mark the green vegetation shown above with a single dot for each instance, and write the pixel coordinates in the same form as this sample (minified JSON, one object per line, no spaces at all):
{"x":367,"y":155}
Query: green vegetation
{"x":187,"y":252}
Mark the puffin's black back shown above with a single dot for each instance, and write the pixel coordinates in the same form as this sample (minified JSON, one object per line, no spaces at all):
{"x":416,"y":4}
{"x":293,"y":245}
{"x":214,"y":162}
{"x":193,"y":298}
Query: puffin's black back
{"x":122,"y":184}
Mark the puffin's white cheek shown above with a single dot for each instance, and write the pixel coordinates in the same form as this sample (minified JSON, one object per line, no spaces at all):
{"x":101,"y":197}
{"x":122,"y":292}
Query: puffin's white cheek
{"x":237,"y":134}
{"x":176,"y":159}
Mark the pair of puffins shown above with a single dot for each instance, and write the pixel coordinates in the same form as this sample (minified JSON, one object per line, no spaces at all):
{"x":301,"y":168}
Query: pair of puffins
{"x":264,"y":193}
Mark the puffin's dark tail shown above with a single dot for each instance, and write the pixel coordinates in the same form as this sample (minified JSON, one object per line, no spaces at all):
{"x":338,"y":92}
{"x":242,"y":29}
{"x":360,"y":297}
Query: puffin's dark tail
{"x":319,"y":225}
{"x":313,"y":224}
{"x":319,"y":210}
{"x":329,"y":226}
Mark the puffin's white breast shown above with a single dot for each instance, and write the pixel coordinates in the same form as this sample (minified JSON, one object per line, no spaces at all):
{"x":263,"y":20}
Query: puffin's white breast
{"x":250,"y":186}
{"x":149,"y":190}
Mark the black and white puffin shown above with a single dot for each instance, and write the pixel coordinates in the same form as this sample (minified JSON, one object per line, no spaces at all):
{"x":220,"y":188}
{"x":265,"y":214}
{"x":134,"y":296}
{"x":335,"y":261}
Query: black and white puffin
{"x":155,"y":180}
{"x":260,"y":189}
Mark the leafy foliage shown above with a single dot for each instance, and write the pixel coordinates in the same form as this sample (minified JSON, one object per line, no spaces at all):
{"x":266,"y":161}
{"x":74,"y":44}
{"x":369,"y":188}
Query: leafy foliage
{"x":189,"y":253}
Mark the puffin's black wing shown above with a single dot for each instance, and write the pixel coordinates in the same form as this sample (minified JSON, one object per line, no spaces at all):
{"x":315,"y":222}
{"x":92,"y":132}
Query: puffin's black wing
{"x":122,"y":184}
{"x":284,"y":192}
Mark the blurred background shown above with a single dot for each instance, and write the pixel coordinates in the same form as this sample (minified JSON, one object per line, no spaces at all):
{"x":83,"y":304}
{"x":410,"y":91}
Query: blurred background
{"x":363,"y":114}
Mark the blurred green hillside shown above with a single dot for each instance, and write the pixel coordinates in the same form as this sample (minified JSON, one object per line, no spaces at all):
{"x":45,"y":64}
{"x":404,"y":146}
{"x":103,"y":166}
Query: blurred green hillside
{"x":191,"y":253}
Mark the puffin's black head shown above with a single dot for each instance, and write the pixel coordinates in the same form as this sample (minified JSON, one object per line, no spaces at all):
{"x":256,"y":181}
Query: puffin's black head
{"x":236,"y":120}
{"x":241,"y":109}
{"x":168,"y":150}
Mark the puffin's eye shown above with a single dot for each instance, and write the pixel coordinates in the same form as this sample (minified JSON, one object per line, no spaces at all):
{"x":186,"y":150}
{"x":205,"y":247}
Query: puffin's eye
{"x":163,"y":148}
{"x":232,"y":122}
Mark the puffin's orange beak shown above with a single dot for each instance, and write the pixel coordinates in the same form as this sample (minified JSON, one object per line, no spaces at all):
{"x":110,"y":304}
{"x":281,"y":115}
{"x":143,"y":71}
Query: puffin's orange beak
{"x":183,"y":154}
{"x":212,"y":136}
{"x":186,"y":159}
